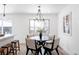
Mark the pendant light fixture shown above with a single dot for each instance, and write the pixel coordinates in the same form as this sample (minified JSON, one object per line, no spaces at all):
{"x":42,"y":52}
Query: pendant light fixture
{"x":39,"y":15}
{"x":4,"y":10}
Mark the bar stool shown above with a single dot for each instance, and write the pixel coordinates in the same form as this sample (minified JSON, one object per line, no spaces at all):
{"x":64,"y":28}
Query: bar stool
{"x":2,"y":51}
{"x":7,"y":46}
{"x":15,"y":46}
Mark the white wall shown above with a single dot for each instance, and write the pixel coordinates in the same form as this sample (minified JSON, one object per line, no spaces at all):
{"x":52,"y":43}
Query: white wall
{"x":21,"y":24}
{"x":70,"y":43}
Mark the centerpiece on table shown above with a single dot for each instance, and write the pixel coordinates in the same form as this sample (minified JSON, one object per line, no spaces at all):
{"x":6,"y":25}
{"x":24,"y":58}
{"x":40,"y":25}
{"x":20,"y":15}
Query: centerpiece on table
{"x":40,"y":33}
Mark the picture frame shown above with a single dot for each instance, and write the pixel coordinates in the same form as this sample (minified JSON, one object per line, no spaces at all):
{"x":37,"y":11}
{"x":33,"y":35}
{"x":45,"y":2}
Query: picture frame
{"x":67,"y":24}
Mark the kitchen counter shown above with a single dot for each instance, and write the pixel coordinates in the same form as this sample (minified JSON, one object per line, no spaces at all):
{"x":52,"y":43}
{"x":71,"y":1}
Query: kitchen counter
{"x":6,"y":36}
{"x":6,"y":39}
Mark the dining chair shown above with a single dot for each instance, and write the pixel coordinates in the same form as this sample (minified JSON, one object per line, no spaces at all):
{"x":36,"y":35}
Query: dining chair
{"x":51,"y":47}
{"x":32,"y":46}
{"x":50,"y":39}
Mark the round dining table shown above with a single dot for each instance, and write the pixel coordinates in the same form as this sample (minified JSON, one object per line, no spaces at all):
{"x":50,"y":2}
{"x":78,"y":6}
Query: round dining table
{"x":44,"y":38}
{"x":40,"y":41}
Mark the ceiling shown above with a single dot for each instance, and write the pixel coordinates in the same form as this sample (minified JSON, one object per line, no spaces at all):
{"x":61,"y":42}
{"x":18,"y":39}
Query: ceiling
{"x":32,"y":8}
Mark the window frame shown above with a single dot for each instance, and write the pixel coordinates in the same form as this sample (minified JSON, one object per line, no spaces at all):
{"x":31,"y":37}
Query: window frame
{"x":34,"y":27}
{"x":2,"y":26}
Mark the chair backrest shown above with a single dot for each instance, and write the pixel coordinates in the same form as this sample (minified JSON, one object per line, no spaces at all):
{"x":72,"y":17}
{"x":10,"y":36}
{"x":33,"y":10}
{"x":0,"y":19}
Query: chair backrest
{"x":56,"y":43}
{"x":30,"y":43}
{"x":53,"y":39}
{"x":26,"y":42}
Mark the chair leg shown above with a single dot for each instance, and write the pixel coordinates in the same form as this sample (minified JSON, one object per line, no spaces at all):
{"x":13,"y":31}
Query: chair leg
{"x":13,"y":51}
{"x":50,"y":52}
{"x":7,"y":51}
{"x":45,"y":52}
{"x":1,"y":53}
{"x":18,"y":45}
{"x":27,"y":51}
{"x":37,"y":52}
{"x":57,"y":51}
{"x":16,"y":52}
{"x":40,"y":51}
{"x":32,"y":51}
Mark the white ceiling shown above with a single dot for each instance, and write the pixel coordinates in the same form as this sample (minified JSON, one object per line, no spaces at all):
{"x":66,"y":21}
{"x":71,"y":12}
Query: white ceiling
{"x":32,"y":8}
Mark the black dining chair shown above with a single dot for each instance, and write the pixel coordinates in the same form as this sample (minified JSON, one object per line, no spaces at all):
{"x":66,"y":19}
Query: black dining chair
{"x":32,"y":46}
{"x":52,"y":46}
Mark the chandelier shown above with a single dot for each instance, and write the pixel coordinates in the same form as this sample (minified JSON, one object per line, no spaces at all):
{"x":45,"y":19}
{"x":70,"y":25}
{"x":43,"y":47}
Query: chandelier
{"x":4,"y":10}
{"x":39,"y":15}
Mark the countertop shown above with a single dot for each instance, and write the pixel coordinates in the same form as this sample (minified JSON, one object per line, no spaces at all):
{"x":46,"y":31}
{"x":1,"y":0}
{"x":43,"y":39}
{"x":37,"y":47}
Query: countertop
{"x":6,"y":36}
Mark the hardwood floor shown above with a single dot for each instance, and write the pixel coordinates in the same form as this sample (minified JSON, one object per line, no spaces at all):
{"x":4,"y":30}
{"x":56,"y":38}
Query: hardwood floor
{"x":23,"y":51}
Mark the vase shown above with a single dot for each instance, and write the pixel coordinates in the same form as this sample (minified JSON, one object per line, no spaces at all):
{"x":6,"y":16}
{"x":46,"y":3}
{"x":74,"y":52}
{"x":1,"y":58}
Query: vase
{"x":40,"y":35}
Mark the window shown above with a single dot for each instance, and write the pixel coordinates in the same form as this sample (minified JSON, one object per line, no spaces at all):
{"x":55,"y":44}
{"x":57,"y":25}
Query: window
{"x":35,"y":25}
{"x":6,"y":26}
